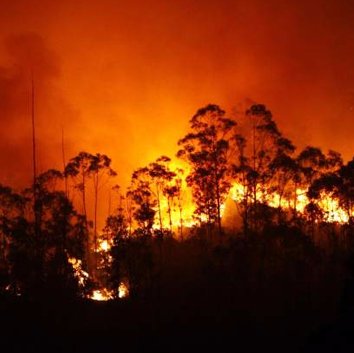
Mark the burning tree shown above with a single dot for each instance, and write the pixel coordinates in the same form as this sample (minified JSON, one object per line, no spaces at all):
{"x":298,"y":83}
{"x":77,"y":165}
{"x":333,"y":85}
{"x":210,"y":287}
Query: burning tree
{"x":206,"y":150}
{"x":338,"y":186}
{"x":161,"y":175}
{"x":263,"y":163}
{"x":100,"y":167}
{"x":81,"y":168}
{"x":141,"y":194}
{"x":149,"y":187}
{"x":173,"y":192}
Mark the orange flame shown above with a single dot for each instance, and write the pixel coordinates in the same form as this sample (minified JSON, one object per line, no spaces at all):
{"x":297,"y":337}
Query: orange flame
{"x":101,"y":295}
{"x":333,"y":213}
{"x":123,"y":290}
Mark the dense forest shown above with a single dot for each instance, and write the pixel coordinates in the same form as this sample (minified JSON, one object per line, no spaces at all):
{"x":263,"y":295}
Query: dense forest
{"x":238,"y":234}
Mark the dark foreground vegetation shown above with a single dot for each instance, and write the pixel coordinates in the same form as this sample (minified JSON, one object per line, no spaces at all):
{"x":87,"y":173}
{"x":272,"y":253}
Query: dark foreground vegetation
{"x":273,"y":291}
{"x":275,"y":277}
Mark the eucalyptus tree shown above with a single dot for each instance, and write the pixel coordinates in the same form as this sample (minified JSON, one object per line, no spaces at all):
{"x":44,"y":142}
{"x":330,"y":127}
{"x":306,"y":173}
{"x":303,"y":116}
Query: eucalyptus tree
{"x":243,"y":176}
{"x":12,"y":212}
{"x":154,"y":180}
{"x":346,"y":189}
{"x":338,"y":185}
{"x":284,"y":181}
{"x":101,"y":170}
{"x":314,"y":163}
{"x":317,"y":172}
{"x":161,"y":177}
{"x":79,"y":168}
{"x":173,"y":193}
{"x":267,"y":144}
{"x":86,"y":166}
{"x":206,"y":149}
{"x":12,"y":205}
{"x":117,"y":229}
{"x":38,"y":261}
{"x":144,"y":201}
{"x":263,"y":156}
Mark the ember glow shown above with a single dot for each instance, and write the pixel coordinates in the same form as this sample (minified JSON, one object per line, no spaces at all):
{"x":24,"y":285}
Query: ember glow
{"x":79,"y":273}
{"x":105,"y":294}
{"x":123,"y":290}
{"x":101,"y":295}
{"x":104,"y":245}
{"x":333,"y":213}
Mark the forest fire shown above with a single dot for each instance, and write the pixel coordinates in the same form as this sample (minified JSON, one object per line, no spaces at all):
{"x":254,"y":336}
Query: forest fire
{"x":177,"y":176}
{"x":267,"y":181}
{"x":123,"y":290}
{"x":104,"y":294}
{"x":104,"y":245}
{"x":101,"y":295}
{"x":332,"y":212}
{"x":81,"y":275}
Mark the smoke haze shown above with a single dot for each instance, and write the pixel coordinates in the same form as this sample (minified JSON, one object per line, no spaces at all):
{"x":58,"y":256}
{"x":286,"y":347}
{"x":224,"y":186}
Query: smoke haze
{"x":123,"y":78}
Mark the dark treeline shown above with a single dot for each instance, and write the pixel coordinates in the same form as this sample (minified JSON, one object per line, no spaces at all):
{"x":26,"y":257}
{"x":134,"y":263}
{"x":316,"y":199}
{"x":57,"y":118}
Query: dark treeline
{"x":277,"y":258}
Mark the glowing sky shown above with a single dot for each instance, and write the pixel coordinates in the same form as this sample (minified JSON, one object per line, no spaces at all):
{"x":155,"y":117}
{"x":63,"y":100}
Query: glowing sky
{"x":123,"y":78}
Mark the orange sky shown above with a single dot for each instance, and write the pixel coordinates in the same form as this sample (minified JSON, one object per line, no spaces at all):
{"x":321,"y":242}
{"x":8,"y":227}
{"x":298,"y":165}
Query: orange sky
{"x":123,"y":78}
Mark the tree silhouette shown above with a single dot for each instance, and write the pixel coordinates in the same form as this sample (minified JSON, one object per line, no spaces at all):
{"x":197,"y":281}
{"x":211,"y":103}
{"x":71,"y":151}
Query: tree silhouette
{"x":284,"y":180}
{"x":315,"y":163}
{"x":263,"y":141}
{"x":12,"y":219}
{"x":161,"y":176}
{"x":264,"y":156}
{"x":339,"y":185}
{"x":206,"y":149}
{"x":79,"y":168}
{"x":117,"y":229}
{"x":140,"y":192}
{"x":38,"y":261}
{"x":173,"y":191}
{"x":149,"y":186}
{"x":243,"y":175}
{"x":99,"y":168}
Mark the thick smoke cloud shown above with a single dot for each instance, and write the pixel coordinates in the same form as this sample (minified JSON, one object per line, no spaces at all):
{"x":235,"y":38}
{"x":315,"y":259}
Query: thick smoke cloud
{"x":123,"y":78}
{"x":27,"y":57}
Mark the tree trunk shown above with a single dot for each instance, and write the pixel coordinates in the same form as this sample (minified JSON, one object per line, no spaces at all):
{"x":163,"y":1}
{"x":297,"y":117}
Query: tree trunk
{"x":85,"y":217}
{"x":95,"y":180}
{"x":180,"y":217}
{"x":169,"y":212}
{"x":159,"y":207}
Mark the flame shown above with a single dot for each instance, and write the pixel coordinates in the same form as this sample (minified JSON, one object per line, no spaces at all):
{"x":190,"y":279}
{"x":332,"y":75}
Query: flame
{"x":79,"y":273}
{"x":101,"y":295}
{"x":123,"y":290}
{"x":104,"y":245}
{"x":333,"y":213}
{"x":187,"y":216}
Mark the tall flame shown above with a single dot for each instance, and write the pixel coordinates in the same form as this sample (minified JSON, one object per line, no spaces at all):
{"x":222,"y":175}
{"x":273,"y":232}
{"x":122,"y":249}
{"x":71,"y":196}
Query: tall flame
{"x":331,"y":210}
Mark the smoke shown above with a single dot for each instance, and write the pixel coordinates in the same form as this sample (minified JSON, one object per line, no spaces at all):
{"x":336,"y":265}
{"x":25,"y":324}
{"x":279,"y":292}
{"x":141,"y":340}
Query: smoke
{"x":27,"y":54}
{"x":124,"y":78}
